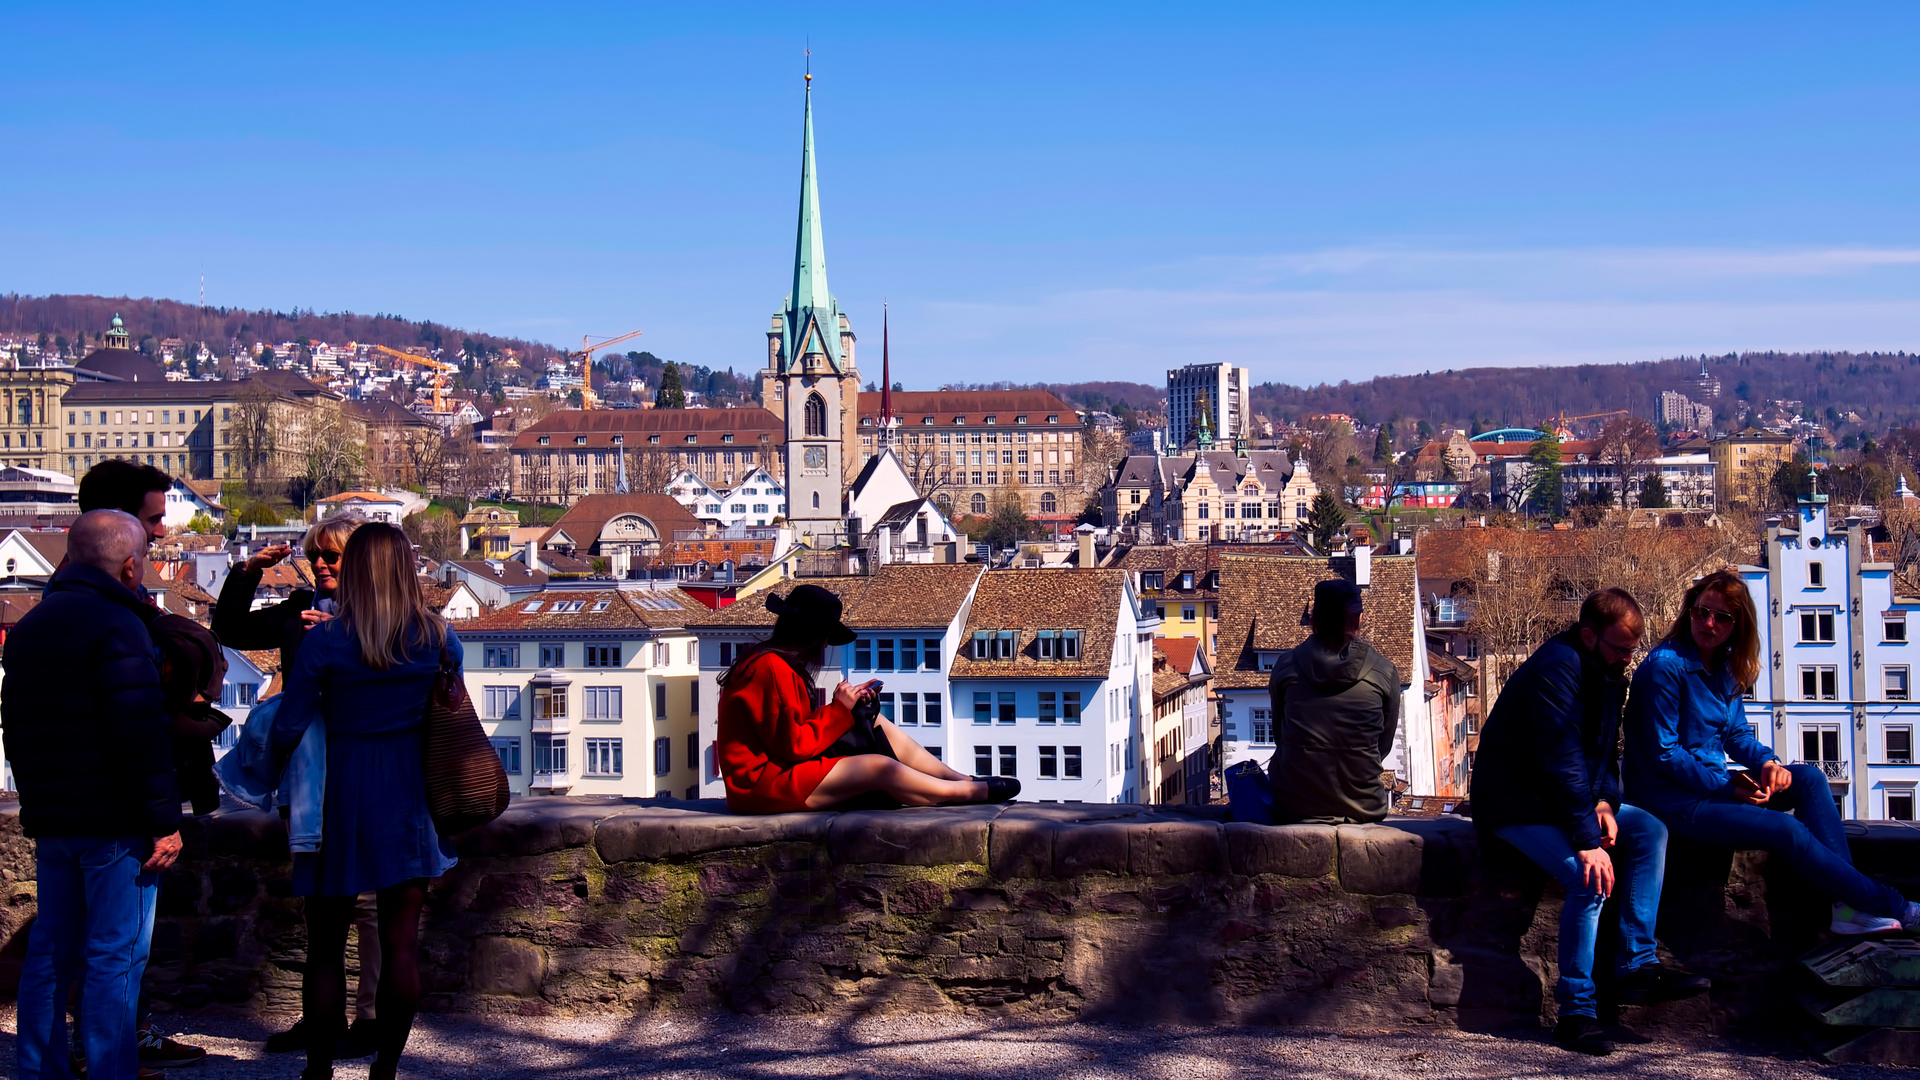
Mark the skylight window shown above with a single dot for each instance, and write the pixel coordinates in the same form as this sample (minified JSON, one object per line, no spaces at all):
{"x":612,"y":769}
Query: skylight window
{"x":601,"y":604}
{"x":532,"y":606}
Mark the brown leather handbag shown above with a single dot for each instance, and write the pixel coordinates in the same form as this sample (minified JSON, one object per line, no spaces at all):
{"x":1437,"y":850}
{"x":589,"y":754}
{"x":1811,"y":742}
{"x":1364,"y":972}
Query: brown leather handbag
{"x":466,"y":783}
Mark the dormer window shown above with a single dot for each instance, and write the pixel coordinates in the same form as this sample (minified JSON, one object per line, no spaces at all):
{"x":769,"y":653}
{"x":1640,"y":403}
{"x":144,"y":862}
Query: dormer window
{"x":959,"y":421}
{"x":726,"y":438}
{"x":993,"y":644}
{"x":1186,"y":576}
{"x":691,"y":439}
{"x":653,"y":438}
{"x":544,"y":441}
{"x":1020,"y":419}
{"x":619,"y":439}
{"x":926,"y":421}
{"x":1153,"y":579}
{"x":993,"y":419}
{"x":1816,"y":575}
{"x":1059,"y":644}
{"x":579,"y":440}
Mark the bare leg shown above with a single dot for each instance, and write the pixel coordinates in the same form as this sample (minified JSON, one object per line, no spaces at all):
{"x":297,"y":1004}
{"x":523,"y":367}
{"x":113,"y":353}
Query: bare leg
{"x":876,"y":772}
{"x":913,"y":755}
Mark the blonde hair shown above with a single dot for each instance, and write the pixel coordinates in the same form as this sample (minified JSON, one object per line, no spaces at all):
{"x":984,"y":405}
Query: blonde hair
{"x":1741,"y":653}
{"x":334,"y":530}
{"x":380,"y":598}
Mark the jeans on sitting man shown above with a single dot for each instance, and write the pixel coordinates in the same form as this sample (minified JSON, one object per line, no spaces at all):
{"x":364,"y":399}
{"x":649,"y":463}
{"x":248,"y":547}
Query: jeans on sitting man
{"x":1640,"y":866}
{"x":94,"y":927}
{"x":1810,"y":836}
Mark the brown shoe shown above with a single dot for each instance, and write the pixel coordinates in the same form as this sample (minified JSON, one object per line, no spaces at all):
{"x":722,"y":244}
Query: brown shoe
{"x":159,"y":1052}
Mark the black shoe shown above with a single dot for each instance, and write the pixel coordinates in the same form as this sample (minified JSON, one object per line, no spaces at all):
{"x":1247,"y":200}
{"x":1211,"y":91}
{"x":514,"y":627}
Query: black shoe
{"x":1002,"y":788}
{"x":290,"y":1040}
{"x":361,"y":1040}
{"x":1582,"y":1035}
{"x":1658,"y":982}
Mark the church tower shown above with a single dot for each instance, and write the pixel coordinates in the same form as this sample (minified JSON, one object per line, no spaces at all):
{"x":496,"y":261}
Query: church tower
{"x":810,"y":380}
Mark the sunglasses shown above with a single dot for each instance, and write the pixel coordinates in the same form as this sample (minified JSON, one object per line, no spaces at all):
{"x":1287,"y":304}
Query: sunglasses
{"x":331,"y":558}
{"x":1711,"y":616}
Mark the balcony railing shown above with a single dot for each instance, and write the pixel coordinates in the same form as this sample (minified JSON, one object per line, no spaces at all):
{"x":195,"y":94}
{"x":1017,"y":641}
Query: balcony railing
{"x":551,"y":726}
{"x":1832,"y":770}
{"x":551,"y":781}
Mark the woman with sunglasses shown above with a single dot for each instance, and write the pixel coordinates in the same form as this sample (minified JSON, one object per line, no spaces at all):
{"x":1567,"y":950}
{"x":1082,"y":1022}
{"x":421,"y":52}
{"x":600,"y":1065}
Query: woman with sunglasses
{"x":1685,"y":718}
{"x":283,"y":626}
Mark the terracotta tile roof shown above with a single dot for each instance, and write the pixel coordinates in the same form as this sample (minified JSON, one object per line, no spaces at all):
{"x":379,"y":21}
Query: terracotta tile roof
{"x":1441,"y":662}
{"x":368,"y":496}
{"x":13,"y":605}
{"x":1265,"y":601}
{"x":599,"y":426}
{"x":52,"y":546}
{"x":267,"y":660}
{"x":974,"y":406}
{"x":1027,"y":601}
{"x":750,"y":612}
{"x":293,"y":572}
{"x":1449,"y":555}
{"x":505,"y":572}
{"x":1166,"y":683}
{"x":598,"y":610}
{"x":1181,"y":653}
{"x":585,"y":519}
{"x":913,"y":596}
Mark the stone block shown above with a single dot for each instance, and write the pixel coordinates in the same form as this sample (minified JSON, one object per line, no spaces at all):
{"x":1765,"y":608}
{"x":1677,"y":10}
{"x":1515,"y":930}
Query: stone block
{"x":1074,"y":812}
{"x":916,"y":898}
{"x":507,"y":966}
{"x":1176,"y":847}
{"x":506,"y":892}
{"x":1021,"y":846}
{"x":914,"y":836}
{"x":721,"y":879}
{"x":1305,"y":851}
{"x":1092,"y":848}
{"x":1449,"y":853}
{"x":669,"y":832}
{"x":1378,"y":860}
{"x":535,"y":825}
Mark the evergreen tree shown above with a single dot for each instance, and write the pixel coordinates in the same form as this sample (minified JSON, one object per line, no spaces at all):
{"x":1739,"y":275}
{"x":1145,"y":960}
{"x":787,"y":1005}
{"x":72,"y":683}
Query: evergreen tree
{"x":1543,"y":487}
{"x":1325,"y":518}
{"x":1383,"y":444}
{"x":670,"y":395}
{"x":1653,"y":493}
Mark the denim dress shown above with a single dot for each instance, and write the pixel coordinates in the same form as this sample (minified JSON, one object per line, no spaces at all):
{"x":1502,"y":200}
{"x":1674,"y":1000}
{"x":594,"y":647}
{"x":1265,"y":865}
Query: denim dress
{"x":376,"y":831}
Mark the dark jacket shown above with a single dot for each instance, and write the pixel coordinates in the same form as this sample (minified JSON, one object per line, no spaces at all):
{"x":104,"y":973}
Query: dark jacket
{"x":1683,"y":723}
{"x":86,"y":729}
{"x":1335,"y":715}
{"x":277,"y":627}
{"x":1549,"y":752}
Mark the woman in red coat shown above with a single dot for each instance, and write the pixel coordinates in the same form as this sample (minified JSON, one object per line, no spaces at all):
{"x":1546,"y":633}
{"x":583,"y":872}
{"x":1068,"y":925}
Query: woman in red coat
{"x":778,"y":752}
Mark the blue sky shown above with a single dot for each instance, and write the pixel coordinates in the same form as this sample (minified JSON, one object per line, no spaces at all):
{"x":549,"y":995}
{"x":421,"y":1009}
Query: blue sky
{"x":1316,"y":191}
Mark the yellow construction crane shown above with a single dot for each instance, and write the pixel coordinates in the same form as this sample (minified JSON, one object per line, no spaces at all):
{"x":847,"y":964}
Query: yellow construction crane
{"x":1560,"y":422}
{"x":588,"y":347}
{"x":440,"y":369}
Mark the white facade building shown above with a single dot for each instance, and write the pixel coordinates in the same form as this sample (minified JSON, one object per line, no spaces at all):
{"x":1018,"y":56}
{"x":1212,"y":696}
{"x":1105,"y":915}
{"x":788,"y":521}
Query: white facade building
{"x":758,"y":499}
{"x":1837,"y":663}
{"x":590,"y":691}
{"x":1225,"y":389}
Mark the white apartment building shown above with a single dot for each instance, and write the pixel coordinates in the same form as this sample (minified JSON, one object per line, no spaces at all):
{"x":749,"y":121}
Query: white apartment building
{"x":589,"y":690}
{"x":909,"y":618}
{"x":758,"y":499}
{"x":1836,"y":681}
{"x":1264,"y":602}
{"x":1225,"y":389}
{"x":1053,"y":683}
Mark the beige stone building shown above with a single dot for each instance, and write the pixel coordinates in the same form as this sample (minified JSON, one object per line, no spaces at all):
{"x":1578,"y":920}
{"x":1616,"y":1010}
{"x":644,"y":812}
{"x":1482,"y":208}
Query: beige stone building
{"x":571,"y":454}
{"x":1743,"y":467}
{"x":969,"y":449}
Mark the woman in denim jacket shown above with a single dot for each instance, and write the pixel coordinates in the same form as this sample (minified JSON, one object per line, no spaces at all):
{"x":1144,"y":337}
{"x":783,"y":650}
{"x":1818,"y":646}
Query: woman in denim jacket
{"x":1685,"y":719}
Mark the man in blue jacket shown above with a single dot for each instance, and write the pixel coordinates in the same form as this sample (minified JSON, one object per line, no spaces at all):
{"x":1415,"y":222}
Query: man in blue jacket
{"x":88,"y":737}
{"x":1546,"y":780}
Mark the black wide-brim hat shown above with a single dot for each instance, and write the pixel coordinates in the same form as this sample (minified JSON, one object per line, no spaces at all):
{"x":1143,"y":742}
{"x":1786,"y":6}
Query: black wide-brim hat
{"x":813,"y":607}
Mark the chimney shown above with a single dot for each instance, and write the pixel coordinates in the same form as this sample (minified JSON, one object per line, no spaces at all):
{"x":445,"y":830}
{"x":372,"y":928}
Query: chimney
{"x":533,"y":555}
{"x":1086,"y":551}
{"x":1363,"y":565}
{"x":449,"y":573}
{"x":883,"y":546}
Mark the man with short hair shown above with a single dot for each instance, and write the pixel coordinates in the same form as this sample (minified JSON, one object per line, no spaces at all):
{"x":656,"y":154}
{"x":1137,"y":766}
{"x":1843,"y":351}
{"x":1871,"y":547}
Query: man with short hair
{"x":88,"y":736}
{"x":1546,"y":780}
{"x":1336,"y":705}
{"x":140,"y":490}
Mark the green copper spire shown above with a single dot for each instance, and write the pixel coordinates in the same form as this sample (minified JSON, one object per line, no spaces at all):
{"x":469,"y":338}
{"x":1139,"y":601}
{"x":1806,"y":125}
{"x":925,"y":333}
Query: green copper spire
{"x":812,"y":318}
{"x":1204,"y":439}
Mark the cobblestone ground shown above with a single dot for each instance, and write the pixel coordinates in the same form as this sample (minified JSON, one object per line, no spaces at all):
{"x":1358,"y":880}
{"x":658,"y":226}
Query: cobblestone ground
{"x":604,"y":1049}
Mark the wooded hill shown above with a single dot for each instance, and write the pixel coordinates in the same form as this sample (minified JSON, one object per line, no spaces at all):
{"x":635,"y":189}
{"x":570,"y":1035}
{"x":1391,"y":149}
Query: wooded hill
{"x":72,"y":315}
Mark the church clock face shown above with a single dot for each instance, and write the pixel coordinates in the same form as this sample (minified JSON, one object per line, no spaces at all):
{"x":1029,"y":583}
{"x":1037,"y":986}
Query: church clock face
{"x":816,"y":457}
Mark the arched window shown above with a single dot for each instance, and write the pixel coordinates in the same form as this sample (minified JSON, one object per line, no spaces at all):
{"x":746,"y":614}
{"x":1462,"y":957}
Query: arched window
{"x":816,"y":415}
{"x":979,"y":503}
{"x":1048,"y":504}
{"x":816,"y":500}
{"x":26,"y":410}
{"x":945,"y":500}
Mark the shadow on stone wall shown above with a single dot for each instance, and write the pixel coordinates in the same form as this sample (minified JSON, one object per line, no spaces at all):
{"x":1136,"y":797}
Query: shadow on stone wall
{"x":1120,"y":913}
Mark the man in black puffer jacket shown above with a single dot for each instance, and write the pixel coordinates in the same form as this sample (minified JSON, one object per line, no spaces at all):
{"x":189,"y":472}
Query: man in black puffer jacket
{"x":87,"y":734}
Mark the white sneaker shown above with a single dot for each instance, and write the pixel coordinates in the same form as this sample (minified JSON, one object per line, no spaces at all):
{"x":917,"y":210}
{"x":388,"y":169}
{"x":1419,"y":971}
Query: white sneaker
{"x":1850,"y":922}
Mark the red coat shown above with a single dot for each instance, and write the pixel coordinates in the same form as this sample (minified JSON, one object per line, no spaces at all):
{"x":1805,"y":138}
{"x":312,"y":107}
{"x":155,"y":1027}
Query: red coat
{"x":768,"y":728}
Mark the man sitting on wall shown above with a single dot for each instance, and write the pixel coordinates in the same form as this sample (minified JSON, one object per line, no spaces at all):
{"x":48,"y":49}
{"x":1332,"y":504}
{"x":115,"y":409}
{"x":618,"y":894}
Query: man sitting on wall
{"x":1547,"y":781}
{"x":1336,"y":703}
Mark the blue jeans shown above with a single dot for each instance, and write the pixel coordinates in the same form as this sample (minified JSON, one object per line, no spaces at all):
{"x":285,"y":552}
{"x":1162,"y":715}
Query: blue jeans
{"x":94,"y":926}
{"x":1810,"y":837}
{"x":1640,"y":867}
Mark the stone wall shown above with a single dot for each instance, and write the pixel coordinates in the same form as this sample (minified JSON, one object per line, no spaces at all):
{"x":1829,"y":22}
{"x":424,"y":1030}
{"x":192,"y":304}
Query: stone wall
{"x":583,"y":905}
